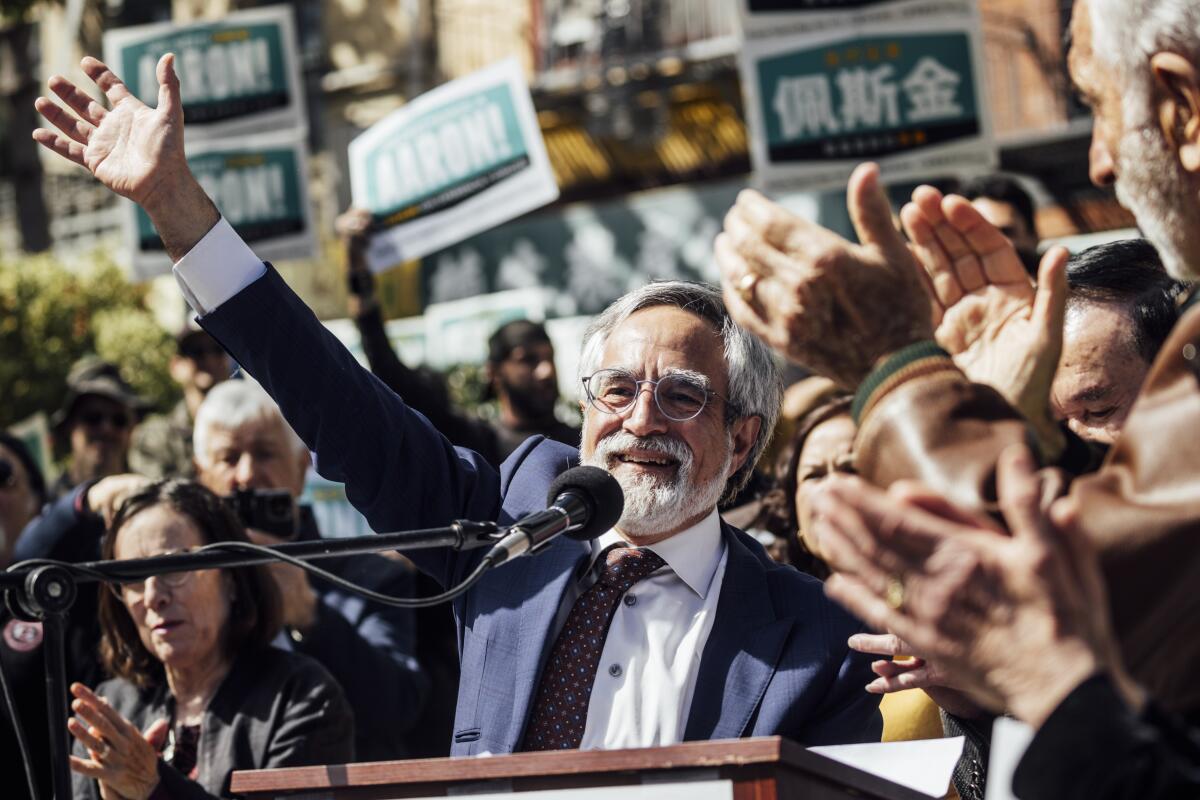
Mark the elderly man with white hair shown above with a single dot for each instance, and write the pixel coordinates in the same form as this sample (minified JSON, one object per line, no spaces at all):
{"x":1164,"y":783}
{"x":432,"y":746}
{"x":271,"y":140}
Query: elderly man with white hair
{"x":241,"y":442}
{"x":672,"y":626}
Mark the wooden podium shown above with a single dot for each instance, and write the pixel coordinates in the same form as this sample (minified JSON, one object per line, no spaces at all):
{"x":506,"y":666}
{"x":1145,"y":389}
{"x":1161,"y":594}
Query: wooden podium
{"x":754,"y":769}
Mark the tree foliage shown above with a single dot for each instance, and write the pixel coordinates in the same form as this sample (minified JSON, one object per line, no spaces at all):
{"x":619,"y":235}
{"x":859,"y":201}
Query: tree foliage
{"x":50,"y":316}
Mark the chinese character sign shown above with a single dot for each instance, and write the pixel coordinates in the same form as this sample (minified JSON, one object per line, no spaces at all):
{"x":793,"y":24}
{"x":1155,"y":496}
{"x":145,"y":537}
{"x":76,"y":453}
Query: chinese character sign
{"x":822,"y":102}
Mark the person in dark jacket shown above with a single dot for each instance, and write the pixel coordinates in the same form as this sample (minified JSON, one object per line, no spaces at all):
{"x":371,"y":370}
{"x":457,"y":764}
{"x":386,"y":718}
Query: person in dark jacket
{"x":242,"y":443}
{"x":520,"y":369}
{"x":199,"y":692}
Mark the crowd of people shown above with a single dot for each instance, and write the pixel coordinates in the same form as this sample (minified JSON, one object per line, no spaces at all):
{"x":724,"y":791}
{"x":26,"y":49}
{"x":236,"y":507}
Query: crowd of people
{"x":979,"y":503}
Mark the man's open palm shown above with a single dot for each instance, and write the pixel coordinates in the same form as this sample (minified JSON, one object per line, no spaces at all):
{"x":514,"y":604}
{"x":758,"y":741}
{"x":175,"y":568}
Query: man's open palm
{"x":135,"y":150}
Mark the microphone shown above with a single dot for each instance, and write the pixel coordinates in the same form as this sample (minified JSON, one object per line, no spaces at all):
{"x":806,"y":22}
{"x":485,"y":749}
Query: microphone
{"x":584,"y":502}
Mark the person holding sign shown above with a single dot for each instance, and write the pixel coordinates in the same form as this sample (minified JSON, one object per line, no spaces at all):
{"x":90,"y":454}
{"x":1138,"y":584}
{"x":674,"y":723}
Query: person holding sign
{"x":700,"y":635}
{"x":520,"y":368}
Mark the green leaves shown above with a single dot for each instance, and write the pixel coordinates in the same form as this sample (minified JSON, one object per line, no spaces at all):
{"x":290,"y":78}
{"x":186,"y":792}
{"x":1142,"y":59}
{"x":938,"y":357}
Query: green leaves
{"x":51,"y":315}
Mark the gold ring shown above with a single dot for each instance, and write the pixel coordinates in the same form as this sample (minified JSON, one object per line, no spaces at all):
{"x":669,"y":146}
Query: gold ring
{"x":746,"y":285}
{"x":104,"y":750}
{"x":893,"y":595}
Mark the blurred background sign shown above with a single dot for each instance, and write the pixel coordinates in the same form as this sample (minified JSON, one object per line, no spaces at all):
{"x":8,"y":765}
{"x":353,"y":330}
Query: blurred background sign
{"x":905,"y":89}
{"x":458,"y":160}
{"x":260,"y":185}
{"x":239,"y":74}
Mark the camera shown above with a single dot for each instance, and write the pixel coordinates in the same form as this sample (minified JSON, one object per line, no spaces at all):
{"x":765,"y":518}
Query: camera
{"x":269,"y":510}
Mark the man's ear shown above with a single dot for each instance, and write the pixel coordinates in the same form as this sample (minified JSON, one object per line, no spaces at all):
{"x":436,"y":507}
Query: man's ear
{"x":745,"y":433}
{"x":1179,"y":106}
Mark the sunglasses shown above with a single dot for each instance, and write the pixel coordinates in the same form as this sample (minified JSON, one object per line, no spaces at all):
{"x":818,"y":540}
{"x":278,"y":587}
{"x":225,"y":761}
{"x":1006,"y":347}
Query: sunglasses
{"x":94,"y":419}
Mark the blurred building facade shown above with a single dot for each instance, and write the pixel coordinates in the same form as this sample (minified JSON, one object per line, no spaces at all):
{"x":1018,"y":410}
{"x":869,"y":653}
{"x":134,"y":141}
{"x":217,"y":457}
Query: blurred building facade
{"x":632,"y":95}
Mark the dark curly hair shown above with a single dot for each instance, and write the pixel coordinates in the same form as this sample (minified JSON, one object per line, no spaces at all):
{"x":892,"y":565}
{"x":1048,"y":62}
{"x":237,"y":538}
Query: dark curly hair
{"x":255,"y":609}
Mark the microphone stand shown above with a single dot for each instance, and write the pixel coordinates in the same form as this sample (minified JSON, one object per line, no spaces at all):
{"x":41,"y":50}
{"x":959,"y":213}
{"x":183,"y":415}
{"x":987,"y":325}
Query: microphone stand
{"x":45,"y":592}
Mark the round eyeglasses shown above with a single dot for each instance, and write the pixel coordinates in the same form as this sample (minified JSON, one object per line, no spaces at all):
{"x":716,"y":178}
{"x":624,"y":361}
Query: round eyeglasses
{"x":679,"y":397}
{"x":134,"y":590}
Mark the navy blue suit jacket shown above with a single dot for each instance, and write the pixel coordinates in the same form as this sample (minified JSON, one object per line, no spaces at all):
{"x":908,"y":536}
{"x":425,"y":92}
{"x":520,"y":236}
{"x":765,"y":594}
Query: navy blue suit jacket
{"x":776,"y":661}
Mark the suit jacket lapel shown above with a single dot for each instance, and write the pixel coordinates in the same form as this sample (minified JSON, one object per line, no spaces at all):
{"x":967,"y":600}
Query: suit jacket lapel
{"x":742,"y":650}
{"x":547,"y":576}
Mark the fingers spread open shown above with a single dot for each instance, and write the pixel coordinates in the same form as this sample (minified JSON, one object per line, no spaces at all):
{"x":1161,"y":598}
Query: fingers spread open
{"x":78,"y":100}
{"x":68,"y":149}
{"x":112,"y":86}
{"x":75,"y":129}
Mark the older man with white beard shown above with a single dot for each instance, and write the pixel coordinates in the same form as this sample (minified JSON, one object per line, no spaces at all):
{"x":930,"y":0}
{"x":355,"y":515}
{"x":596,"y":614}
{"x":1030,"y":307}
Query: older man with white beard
{"x":674,"y":626}
{"x":920,"y":415}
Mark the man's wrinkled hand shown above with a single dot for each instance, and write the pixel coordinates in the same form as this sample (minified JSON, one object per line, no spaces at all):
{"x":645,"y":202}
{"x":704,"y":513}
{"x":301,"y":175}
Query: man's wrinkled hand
{"x":1000,"y":330}
{"x":134,"y":150}
{"x":835,"y":307}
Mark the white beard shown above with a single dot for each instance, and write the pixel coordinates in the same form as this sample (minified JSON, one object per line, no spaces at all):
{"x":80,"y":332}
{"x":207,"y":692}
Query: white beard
{"x":1154,"y":186}
{"x":654,"y":505}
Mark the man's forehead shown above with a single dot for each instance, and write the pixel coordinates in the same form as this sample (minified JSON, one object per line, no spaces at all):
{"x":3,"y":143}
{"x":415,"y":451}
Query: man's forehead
{"x":266,"y":427}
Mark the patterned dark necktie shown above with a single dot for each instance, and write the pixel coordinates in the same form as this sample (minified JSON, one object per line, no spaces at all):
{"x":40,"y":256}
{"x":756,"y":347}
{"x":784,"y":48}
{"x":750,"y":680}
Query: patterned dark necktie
{"x":561,"y":704}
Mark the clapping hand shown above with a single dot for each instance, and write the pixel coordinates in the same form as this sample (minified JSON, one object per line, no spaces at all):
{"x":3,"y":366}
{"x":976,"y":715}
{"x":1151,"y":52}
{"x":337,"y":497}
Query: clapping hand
{"x":1000,"y":330}
{"x":122,"y":758}
{"x":835,"y":307}
{"x":1016,"y":621}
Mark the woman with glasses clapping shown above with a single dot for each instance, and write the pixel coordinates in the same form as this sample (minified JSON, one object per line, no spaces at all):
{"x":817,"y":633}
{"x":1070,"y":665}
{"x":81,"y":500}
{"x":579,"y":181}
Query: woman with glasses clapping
{"x":198,"y":691}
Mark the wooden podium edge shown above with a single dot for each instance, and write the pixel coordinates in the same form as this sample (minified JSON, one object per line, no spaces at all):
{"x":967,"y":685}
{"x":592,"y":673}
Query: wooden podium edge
{"x":689,"y":755}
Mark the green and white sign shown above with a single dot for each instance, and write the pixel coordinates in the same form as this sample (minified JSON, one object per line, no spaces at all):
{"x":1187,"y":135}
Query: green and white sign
{"x":454,"y":162}
{"x":259,"y":184}
{"x":237,"y":75}
{"x":895,"y":83}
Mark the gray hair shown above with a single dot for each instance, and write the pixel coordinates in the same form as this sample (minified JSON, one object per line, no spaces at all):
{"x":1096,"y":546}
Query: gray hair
{"x":755,"y":387}
{"x":1126,"y":33}
{"x":230,"y":405}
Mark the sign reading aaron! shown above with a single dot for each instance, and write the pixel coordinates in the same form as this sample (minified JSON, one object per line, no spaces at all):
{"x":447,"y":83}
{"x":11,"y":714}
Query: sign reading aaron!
{"x":898,"y":84}
{"x":456,"y":161}
{"x":261,"y":190}
{"x":235,"y":75}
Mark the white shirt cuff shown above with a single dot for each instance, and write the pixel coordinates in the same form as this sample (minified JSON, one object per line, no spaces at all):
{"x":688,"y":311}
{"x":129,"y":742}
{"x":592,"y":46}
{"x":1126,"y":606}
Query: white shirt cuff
{"x":217,"y":268}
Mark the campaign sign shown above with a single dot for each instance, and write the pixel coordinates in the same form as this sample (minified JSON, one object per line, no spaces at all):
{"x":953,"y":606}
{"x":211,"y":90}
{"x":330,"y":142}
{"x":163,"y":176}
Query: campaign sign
{"x":260,"y":186}
{"x":454,"y":162}
{"x":236,"y":75}
{"x":906,"y":93}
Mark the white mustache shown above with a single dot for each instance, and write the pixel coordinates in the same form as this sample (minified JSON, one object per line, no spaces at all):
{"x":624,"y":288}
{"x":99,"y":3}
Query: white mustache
{"x":622,"y":441}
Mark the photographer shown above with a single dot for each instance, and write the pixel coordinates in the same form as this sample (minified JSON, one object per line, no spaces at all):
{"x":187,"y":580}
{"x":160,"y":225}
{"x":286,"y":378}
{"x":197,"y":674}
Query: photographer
{"x":242,"y":443}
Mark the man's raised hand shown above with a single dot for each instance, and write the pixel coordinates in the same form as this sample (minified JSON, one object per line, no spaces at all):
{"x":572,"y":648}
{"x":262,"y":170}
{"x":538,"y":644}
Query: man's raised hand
{"x":134,"y":150}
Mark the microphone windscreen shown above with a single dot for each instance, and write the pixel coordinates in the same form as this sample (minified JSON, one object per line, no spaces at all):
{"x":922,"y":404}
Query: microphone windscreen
{"x":599,"y":491}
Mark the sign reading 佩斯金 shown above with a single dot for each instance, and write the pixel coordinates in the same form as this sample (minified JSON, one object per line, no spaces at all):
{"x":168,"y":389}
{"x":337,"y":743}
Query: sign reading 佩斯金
{"x":904,"y":89}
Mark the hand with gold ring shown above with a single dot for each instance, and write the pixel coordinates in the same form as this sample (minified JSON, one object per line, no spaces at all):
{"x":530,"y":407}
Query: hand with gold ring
{"x":746,"y":286}
{"x":893,"y":595}
{"x":120,"y":756}
{"x":830,"y":305}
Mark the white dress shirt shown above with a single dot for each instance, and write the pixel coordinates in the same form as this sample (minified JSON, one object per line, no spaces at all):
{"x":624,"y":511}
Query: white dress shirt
{"x":651,"y":657}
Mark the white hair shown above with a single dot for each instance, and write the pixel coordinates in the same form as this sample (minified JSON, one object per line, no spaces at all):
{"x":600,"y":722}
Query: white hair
{"x":755,"y":387}
{"x":1126,"y":33}
{"x":230,"y":405}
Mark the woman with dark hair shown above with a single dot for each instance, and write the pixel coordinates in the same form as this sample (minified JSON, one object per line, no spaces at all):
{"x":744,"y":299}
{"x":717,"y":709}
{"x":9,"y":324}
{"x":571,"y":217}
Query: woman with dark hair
{"x":199,"y":692}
